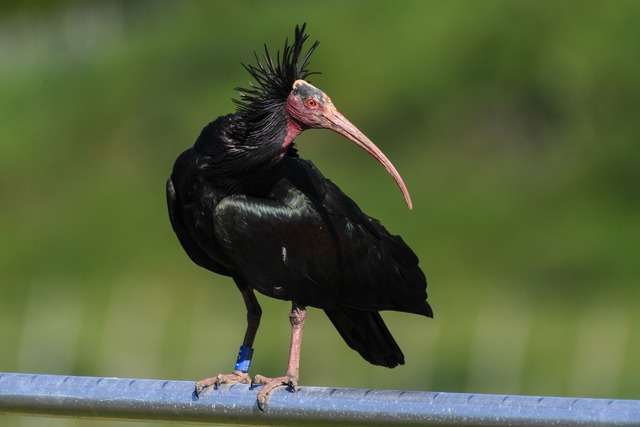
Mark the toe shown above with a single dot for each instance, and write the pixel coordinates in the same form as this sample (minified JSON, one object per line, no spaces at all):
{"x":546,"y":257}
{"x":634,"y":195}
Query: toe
{"x":233,"y":378}
{"x":202,"y":384}
{"x":269,"y":385}
{"x":260,"y":379}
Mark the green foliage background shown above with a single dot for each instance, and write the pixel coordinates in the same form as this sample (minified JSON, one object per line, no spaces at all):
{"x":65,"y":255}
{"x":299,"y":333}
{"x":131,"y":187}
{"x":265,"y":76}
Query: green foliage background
{"x":515,"y":125}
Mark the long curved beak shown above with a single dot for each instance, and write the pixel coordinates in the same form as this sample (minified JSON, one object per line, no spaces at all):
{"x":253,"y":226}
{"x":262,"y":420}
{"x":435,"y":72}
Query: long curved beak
{"x":339,"y":123}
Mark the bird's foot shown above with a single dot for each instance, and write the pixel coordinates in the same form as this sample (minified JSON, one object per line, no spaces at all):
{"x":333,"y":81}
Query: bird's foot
{"x":271,"y":383}
{"x":232,"y":378}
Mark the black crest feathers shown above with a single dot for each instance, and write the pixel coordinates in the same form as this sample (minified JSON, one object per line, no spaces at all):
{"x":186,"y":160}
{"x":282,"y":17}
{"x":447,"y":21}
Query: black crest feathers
{"x":274,"y":78}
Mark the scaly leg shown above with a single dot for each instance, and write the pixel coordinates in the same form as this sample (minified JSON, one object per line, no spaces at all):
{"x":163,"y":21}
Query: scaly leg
{"x":240,"y":373}
{"x":296,"y":317}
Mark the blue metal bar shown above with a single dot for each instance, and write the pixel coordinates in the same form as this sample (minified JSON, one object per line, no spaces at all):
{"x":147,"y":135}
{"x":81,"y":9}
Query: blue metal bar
{"x":174,"y":401}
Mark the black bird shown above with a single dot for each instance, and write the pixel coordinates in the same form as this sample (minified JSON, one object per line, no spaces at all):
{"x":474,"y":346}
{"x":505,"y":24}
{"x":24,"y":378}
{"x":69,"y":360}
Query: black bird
{"x":244,"y":204}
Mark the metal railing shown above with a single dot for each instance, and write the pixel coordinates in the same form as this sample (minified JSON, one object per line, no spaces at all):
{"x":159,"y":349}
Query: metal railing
{"x":174,"y":401}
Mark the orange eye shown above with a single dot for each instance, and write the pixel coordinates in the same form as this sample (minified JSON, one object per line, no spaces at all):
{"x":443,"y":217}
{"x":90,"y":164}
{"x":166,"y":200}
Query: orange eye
{"x":311,"y":103}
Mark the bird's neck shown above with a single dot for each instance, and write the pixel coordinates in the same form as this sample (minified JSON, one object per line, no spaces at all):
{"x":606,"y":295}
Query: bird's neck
{"x":293,"y":130}
{"x":236,"y":151}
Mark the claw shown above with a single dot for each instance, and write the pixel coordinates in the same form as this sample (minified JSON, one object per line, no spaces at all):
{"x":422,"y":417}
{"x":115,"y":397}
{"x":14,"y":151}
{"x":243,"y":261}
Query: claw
{"x":198,"y":389}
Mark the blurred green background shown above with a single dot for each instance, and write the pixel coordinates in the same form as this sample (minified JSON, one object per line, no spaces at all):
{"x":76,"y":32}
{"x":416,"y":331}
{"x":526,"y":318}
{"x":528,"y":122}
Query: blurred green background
{"x":514,"y":124}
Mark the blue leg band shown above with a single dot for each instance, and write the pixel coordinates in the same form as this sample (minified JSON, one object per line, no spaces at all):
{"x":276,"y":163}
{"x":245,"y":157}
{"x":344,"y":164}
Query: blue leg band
{"x":244,"y":358}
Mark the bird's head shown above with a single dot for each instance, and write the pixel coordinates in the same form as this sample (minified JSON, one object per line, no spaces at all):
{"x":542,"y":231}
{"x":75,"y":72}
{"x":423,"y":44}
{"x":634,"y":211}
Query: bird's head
{"x":310,"y":108}
{"x":281,"y":83}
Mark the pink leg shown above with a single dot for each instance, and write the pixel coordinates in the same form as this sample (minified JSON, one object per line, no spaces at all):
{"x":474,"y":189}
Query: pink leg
{"x":296,"y":317}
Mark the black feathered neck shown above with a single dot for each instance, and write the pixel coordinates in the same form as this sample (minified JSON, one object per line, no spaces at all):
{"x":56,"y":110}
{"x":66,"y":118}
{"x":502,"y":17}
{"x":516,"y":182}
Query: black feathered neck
{"x":262,"y":105}
{"x":239,"y":148}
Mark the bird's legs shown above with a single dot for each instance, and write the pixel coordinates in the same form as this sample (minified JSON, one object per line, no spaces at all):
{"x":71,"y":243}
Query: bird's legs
{"x":240,"y":373}
{"x":290,"y":378}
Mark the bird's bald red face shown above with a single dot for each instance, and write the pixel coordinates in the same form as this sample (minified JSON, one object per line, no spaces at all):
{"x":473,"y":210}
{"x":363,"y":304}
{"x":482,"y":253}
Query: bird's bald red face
{"x":309,"y":108}
{"x":308,"y":105}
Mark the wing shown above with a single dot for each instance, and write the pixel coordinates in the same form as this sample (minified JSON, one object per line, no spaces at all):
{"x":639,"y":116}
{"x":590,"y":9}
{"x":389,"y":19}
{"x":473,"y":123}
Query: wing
{"x":308,"y":242}
{"x":177,"y":207}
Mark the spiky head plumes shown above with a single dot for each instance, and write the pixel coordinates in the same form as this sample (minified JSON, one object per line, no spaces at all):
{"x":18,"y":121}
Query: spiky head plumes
{"x":283,"y":104}
{"x":274,"y":79}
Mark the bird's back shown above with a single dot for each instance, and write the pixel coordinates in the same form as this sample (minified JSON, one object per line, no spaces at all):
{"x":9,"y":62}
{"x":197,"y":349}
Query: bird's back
{"x":300,"y":238}
{"x":297,"y":236}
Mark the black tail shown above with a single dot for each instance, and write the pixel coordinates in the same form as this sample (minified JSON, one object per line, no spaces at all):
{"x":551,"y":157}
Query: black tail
{"x":366,"y":333}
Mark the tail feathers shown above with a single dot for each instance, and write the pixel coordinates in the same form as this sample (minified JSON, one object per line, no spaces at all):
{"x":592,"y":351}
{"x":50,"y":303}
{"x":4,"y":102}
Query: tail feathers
{"x":366,"y":333}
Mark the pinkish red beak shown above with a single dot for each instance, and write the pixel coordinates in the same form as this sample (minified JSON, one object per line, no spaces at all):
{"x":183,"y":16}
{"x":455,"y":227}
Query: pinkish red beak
{"x":338,"y":123}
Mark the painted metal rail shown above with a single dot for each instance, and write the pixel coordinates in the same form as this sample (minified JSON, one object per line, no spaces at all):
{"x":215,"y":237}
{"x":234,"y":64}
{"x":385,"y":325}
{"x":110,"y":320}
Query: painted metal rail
{"x":174,"y":401}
